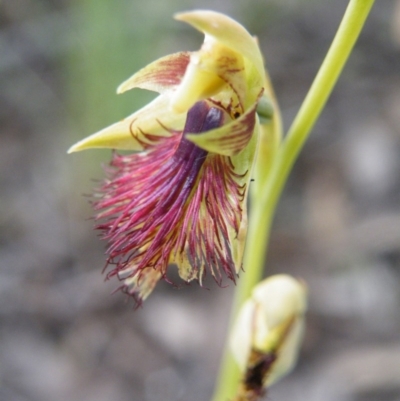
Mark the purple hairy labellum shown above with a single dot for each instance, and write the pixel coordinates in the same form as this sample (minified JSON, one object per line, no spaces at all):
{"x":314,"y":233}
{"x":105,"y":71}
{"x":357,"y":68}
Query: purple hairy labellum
{"x":173,"y":204}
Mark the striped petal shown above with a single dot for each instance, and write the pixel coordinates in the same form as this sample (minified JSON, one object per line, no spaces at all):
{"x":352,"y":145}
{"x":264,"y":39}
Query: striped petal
{"x":133,"y":132}
{"x":160,"y":76}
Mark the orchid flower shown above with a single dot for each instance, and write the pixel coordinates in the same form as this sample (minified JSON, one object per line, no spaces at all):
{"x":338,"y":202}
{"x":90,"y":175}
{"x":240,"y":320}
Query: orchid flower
{"x":180,"y":197}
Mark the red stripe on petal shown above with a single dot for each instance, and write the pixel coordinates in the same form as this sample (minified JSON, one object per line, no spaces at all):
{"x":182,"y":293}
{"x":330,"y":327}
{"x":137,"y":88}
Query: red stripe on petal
{"x":161,"y":75}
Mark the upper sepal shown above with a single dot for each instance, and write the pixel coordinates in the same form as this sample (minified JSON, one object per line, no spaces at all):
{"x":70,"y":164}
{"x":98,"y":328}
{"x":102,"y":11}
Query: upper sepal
{"x":226,"y":31}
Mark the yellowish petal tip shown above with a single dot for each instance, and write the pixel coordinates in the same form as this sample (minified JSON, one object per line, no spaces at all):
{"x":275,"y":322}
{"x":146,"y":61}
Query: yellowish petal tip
{"x":180,"y":16}
{"x":122,"y":88}
{"x":72,"y":149}
{"x":79,"y":146}
{"x":203,"y":20}
{"x":190,"y":15}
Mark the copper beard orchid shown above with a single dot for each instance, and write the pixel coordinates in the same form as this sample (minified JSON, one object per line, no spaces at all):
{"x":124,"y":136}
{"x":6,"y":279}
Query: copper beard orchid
{"x":181,"y":197}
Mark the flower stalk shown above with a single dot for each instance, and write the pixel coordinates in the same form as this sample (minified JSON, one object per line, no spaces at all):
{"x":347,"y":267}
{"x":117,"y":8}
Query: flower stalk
{"x":263,"y":208}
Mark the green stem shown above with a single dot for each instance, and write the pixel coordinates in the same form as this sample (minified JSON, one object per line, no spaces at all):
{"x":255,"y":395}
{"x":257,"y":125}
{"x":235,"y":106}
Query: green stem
{"x":257,"y":239}
{"x":346,"y":36}
{"x":263,"y":211}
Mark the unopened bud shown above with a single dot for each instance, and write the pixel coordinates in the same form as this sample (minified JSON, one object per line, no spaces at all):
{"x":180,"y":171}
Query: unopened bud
{"x":267,"y":333}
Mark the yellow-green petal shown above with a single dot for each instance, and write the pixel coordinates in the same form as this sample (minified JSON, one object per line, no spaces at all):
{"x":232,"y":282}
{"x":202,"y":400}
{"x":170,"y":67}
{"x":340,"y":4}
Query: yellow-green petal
{"x":270,"y":140}
{"x":161,"y":75}
{"x":243,"y":163}
{"x":155,"y":119}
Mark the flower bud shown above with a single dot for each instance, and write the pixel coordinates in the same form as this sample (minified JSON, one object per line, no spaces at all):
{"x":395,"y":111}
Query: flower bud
{"x":267,"y":333}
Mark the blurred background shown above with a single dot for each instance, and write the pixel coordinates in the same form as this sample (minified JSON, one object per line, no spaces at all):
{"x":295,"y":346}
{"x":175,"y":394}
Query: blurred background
{"x":63,"y":336}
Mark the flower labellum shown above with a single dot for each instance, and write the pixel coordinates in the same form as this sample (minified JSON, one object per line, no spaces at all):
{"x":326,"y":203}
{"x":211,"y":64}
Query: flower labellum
{"x":180,"y":197}
{"x":267,"y":334}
